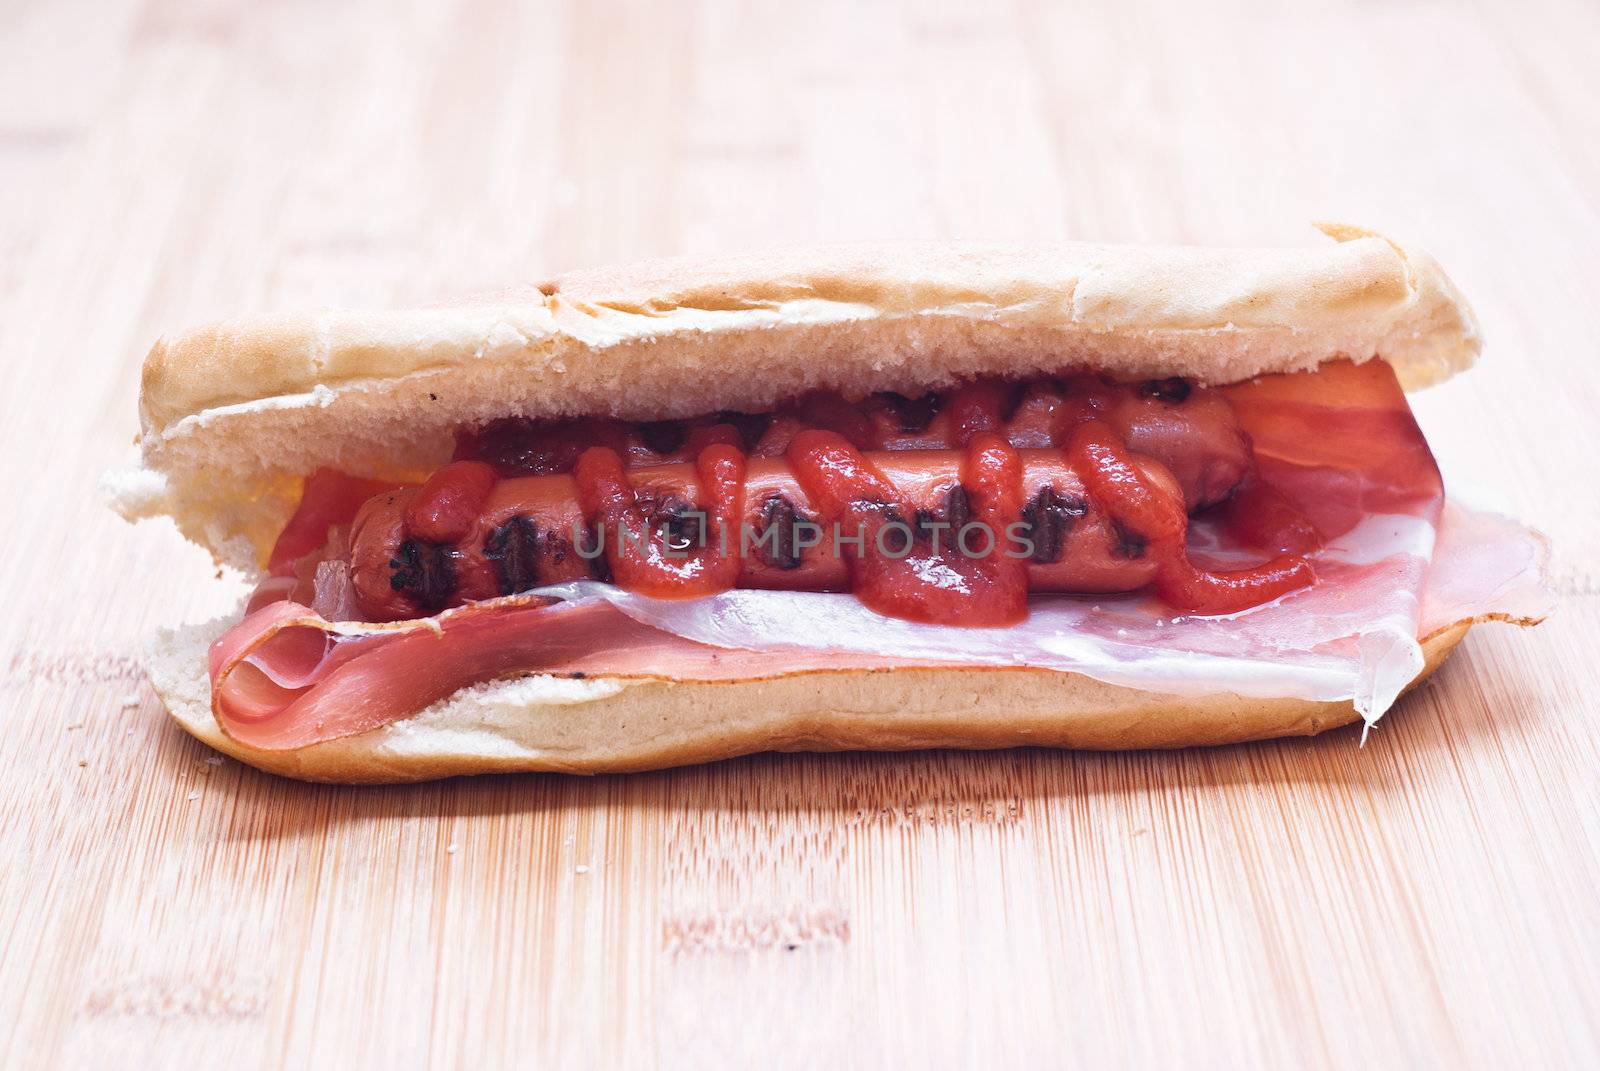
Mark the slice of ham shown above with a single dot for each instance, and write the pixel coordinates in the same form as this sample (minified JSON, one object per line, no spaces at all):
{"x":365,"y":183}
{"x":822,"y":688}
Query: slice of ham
{"x":1339,"y":443}
{"x":1486,"y":567}
{"x":286,"y":677}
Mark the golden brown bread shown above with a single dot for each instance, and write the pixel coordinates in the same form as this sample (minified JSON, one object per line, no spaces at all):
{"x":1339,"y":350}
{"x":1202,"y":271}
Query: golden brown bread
{"x":1216,"y":315}
{"x":235,"y":413}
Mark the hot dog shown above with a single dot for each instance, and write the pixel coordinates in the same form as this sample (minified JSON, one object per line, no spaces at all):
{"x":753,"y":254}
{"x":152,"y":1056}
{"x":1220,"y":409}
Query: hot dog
{"x":526,"y":504}
{"x":531,"y":531}
{"x":524,"y":529}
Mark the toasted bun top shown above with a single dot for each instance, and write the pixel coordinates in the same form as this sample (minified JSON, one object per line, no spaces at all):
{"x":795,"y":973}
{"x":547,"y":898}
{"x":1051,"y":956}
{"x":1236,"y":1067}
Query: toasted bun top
{"x":233,"y":413}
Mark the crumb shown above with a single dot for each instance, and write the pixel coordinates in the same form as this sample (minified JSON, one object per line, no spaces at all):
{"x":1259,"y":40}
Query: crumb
{"x":75,"y":725}
{"x":212,"y":760}
{"x":452,"y":848}
{"x":130,"y":700}
{"x":582,"y":868}
{"x":83,"y":762}
{"x":194,"y":795}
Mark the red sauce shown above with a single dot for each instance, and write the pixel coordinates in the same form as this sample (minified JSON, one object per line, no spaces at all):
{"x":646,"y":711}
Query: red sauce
{"x":329,"y":498}
{"x":991,"y":473}
{"x":891,"y":569}
{"x":974,"y":409}
{"x":448,"y":504}
{"x":1157,"y":517}
{"x":636,"y":542}
{"x":712,"y":435}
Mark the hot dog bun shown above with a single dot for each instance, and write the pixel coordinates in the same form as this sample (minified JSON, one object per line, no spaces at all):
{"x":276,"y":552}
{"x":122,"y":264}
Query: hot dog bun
{"x":233,"y":413}
{"x":595,"y":726}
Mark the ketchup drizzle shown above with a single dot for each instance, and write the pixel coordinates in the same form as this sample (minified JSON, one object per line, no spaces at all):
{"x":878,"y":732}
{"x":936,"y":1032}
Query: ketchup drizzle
{"x":448,"y":503}
{"x":1156,"y":516}
{"x":891,"y":569}
{"x":635,"y":547}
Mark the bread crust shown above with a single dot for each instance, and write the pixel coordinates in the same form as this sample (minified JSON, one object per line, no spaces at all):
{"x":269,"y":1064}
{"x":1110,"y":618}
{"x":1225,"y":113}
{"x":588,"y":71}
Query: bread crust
{"x":1202,"y":312}
{"x":235,"y":412}
{"x":603,"y":725}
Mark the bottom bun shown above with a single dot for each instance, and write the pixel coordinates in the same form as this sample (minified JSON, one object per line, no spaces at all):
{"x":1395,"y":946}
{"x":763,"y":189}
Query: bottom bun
{"x":612,"y":725}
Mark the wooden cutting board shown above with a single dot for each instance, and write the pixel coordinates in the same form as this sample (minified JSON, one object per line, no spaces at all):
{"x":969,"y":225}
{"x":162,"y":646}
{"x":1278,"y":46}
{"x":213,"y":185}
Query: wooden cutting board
{"x":1432,"y":899}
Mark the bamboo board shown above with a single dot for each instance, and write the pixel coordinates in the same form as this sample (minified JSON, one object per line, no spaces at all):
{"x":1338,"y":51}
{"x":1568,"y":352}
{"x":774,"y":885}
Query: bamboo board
{"x":1428,"y":900}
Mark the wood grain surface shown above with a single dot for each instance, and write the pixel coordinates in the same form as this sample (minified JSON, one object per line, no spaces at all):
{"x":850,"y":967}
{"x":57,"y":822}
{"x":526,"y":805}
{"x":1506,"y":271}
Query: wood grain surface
{"x":1431,"y":900}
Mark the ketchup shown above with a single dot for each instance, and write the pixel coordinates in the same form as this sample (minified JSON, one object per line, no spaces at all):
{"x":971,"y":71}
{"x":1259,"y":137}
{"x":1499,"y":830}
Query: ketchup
{"x":447,"y":505}
{"x":892,"y":569}
{"x":329,"y":498}
{"x":974,"y":409}
{"x":723,"y":434}
{"x":1158,"y":517}
{"x":633,"y":540}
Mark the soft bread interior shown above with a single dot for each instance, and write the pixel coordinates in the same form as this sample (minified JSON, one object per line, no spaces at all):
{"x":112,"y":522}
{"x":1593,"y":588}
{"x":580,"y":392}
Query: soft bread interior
{"x":606,"y":725}
{"x":234,"y":414}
